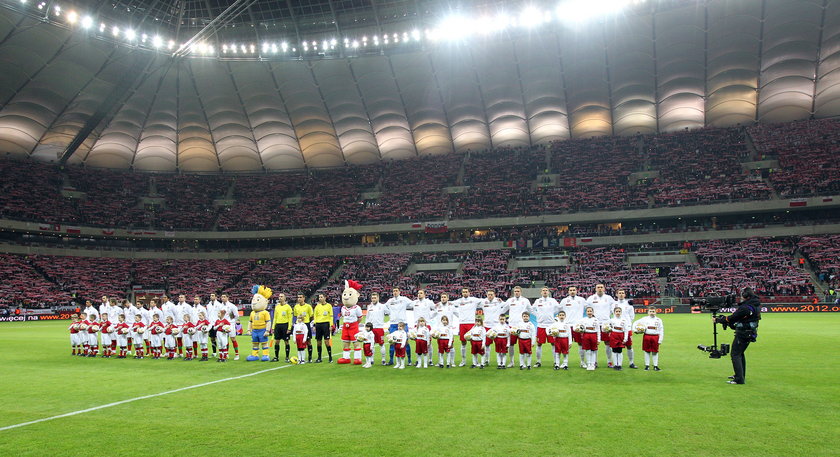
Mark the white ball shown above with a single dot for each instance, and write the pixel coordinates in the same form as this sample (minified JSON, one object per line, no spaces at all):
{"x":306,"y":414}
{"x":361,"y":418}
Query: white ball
{"x":606,"y":327}
{"x":436,"y":334}
{"x":226,"y":328}
{"x":640,"y":329}
{"x":491,"y":334}
{"x":412,"y":334}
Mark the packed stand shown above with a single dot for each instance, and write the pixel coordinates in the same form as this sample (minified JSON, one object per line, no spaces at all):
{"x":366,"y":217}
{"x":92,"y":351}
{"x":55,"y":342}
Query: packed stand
{"x":189,"y":201}
{"x":727,"y":266}
{"x":480,"y":271}
{"x":258,"y":199}
{"x":592,"y":174}
{"x":25,"y":286}
{"x":112,"y":197}
{"x":823,"y":252}
{"x":189,"y":276}
{"x":412,"y":190}
{"x":590,"y":266}
{"x":702,"y":166}
{"x":291,"y":276}
{"x":380,"y":272}
{"x":31,"y":191}
{"x":499,"y":183}
{"x":807,"y":153}
{"x":86,"y":277}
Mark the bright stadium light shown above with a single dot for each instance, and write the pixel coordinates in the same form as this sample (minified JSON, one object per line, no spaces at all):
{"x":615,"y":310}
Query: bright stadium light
{"x":355,"y":44}
{"x":170,"y":45}
{"x":284,"y":46}
{"x":87,"y":22}
{"x":157,"y":41}
{"x":415,"y":34}
{"x":130,"y":35}
{"x":72,"y":17}
{"x":115,"y":31}
{"x":584,"y":10}
{"x":530,"y":17}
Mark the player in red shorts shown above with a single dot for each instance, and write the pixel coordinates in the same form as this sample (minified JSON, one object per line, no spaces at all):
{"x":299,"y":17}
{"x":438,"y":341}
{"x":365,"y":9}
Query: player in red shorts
{"x":445,"y":336}
{"x":561,"y":330}
{"x":465,"y":308}
{"x":545,"y":308}
{"x":422,"y":335}
{"x":526,"y":334}
{"x":591,"y":329}
{"x":618,"y":337}
{"x":500,"y":342}
{"x":376,"y":315}
{"x":400,"y":341}
{"x":476,"y":336}
{"x":653,"y":331}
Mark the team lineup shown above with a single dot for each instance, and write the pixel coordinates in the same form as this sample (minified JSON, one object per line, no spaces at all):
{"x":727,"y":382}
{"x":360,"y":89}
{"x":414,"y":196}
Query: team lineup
{"x":483,"y":325}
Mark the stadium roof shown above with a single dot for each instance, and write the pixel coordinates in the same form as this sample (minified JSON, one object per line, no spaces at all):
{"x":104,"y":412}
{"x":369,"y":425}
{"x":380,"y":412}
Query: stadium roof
{"x":656,"y":67}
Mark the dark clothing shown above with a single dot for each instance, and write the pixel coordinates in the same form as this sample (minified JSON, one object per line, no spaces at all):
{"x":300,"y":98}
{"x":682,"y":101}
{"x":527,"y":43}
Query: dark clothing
{"x":744,"y":321}
{"x":739,"y":362}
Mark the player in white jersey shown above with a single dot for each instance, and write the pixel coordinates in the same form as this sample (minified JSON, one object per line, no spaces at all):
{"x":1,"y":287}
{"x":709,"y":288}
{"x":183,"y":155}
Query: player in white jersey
{"x":501,"y":337}
{"x":546,"y":309}
{"x":574,"y":305}
{"x":91,"y":312}
{"x":602,"y":304}
{"x":376,"y":317}
{"x":465,"y":309}
{"x":367,"y":338}
{"x":104,"y":304}
{"x":526,"y":336}
{"x":628,"y":313}
{"x":129,"y":313}
{"x":423,"y":307}
{"x":397,"y":306}
{"x":146,"y":319}
{"x":445,"y":334}
{"x":561,"y":331}
{"x":654,"y":332}
{"x":181,"y":308}
{"x":517,"y":304}
{"x":618,"y":338}
{"x":232,"y":316}
{"x":493,"y":307}
{"x":445,"y":309}
{"x":477,"y":336}
{"x":591,"y":329}
{"x":421,"y":336}
{"x":167,"y":307}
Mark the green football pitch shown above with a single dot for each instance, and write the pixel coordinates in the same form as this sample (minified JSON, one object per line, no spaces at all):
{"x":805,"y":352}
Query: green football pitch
{"x":788,"y":406}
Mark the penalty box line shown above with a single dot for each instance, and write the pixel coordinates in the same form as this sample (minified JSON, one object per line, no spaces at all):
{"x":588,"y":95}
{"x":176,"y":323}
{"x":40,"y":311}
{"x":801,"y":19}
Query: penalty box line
{"x":96,"y":408}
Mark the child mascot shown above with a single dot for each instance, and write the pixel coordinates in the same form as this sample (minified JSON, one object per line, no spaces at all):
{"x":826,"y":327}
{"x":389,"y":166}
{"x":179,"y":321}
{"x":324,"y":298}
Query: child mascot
{"x":258,"y":323}
{"x":351,"y":314}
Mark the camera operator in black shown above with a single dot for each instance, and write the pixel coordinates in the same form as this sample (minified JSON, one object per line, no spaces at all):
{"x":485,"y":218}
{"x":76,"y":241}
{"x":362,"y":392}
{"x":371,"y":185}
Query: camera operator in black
{"x":745,"y":323}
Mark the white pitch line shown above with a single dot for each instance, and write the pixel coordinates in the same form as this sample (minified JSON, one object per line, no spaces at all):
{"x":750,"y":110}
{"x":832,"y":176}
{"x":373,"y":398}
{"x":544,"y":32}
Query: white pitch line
{"x":81,"y":411}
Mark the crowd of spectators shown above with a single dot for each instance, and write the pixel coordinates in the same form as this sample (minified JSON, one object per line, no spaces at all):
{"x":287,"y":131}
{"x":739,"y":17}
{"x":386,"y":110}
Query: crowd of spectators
{"x":694,"y":167}
{"x":807,"y":154}
{"x":292,"y":276}
{"x":378,"y":273}
{"x":727,"y":266}
{"x":823,"y":253}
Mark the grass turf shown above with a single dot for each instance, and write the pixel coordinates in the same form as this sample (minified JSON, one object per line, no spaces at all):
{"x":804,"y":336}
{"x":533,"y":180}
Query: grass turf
{"x":320,"y":409}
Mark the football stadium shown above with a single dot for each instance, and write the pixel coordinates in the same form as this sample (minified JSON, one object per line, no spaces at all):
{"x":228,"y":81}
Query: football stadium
{"x":419,"y":227}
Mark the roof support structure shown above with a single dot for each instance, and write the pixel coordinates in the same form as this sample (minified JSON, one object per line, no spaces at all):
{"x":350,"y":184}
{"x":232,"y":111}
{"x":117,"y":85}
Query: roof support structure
{"x":114,"y":98}
{"x":818,"y":59}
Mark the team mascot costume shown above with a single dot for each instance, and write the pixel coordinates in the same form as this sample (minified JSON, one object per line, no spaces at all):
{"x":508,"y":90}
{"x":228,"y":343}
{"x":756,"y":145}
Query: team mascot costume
{"x":258,"y":323}
{"x":351,"y":314}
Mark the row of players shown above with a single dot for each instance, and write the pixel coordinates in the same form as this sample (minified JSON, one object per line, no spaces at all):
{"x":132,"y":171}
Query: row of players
{"x":118,"y":337}
{"x":580,"y":317}
{"x":110,"y":313}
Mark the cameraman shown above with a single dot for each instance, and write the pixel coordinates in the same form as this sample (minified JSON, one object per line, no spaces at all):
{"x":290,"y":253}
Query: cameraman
{"x":745,"y":323}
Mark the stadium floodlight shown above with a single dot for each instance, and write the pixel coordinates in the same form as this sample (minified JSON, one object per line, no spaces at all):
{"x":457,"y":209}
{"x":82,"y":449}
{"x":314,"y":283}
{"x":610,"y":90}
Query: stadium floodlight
{"x":130,"y":35}
{"x":72,"y":17}
{"x":224,"y":49}
{"x":210,"y":49}
{"x":87,"y":22}
{"x":530,"y":17}
{"x":274,"y":48}
{"x":41,"y":6}
{"x":333,"y":42}
{"x":284,"y":46}
{"x":355,"y":44}
{"x":157,"y":41}
{"x":23,"y":1}
{"x":415,"y":34}
{"x":57,"y":10}
{"x":102,"y":27}
{"x":115,"y":31}
{"x":584,"y":10}
{"x":170,"y":45}
{"x":265,"y":47}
